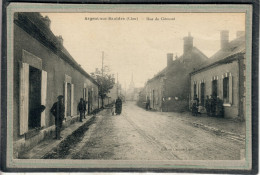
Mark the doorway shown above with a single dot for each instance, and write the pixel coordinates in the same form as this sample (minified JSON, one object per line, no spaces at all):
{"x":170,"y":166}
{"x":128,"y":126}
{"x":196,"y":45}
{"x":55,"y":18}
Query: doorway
{"x":34,"y":97}
{"x":68,"y":99}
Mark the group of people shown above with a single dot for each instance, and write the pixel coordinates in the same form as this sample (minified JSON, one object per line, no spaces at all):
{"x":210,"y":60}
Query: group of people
{"x":58,"y":110}
{"x":213,"y":105}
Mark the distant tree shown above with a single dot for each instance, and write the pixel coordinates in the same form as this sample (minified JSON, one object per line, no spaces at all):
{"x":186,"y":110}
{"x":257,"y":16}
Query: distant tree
{"x":106,"y":82}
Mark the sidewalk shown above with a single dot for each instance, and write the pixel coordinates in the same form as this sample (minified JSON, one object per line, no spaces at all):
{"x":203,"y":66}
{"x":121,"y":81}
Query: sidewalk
{"x":46,"y":146}
{"x":220,"y":126}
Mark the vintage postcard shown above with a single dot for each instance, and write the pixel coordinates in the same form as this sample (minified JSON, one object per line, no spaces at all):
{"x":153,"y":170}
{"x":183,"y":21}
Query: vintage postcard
{"x":129,"y":86}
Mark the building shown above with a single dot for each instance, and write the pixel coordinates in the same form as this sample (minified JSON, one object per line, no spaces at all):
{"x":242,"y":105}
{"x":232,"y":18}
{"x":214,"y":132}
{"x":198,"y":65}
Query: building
{"x":169,"y":89}
{"x":43,"y":69}
{"x":130,"y":96}
{"x":223,"y":76}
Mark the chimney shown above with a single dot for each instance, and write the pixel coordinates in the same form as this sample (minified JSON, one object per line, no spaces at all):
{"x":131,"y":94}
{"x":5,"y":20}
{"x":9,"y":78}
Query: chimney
{"x":60,"y":39}
{"x":240,"y":34}
{"x":47,"y":21}
{"x":224,"y":39}
{"x":169,"y":58}
{"x":188,"y":43}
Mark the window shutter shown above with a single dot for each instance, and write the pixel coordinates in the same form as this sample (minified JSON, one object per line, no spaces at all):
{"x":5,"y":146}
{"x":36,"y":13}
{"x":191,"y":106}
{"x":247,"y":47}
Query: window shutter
{"x":72,"y":99}
{"x":65,"y":98}
{"x":24,"y":98}
{"x":230,"y":89}
{"x":43,"y":96}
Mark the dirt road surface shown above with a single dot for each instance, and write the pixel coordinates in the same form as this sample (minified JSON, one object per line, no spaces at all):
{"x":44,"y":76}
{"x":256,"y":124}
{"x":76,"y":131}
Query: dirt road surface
{"x":138,"y":134}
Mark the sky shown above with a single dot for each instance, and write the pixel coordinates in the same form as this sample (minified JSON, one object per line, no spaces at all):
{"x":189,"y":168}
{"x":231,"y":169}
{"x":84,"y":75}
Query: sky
{"x":134,"y":44}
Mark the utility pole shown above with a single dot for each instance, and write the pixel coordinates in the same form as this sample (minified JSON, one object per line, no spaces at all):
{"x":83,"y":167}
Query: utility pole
{"x":102,"y":63}
{"x":117,"y":85}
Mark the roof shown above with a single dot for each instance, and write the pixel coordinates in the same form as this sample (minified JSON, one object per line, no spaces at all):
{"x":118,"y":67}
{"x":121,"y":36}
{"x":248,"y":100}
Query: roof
{"x":33,"y":24}
{"x":235,"y":47}
{"x":194,"y":54}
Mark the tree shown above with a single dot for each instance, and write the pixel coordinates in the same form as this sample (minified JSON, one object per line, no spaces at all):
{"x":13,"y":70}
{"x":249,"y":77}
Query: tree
{"x":106,"y":82}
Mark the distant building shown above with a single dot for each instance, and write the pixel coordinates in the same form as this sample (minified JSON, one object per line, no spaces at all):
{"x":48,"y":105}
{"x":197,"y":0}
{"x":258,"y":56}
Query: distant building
{"x":42,"y":70}
{"x":130,"y":94}
{"x":223,"y":75}
{"x":169,"y":89}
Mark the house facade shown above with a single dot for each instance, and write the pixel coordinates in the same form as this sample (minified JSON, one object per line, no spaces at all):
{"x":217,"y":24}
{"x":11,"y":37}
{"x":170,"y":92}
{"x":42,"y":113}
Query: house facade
{"x":43,"y":69}
{"x":169,"y":89}
{"x":223,"y":76}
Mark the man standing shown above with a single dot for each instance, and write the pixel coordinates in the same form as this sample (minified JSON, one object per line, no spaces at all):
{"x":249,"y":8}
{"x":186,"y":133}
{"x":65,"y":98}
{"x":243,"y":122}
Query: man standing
{"x":148,"y":103}
{"x":58,"y":111}
{"x":81,"y":109}
{"x":118,"y":106}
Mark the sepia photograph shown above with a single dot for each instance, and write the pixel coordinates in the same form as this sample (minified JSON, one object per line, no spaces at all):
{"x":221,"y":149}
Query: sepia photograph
{"x":129,"y":86}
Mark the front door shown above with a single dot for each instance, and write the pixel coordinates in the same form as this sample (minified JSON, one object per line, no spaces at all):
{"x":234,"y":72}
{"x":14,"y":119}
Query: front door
{"x":34,"y":97}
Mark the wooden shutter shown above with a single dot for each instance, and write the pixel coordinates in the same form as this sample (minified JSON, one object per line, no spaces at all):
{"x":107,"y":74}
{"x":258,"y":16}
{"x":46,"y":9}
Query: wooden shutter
{"x":65,"y":98}
{"x":230,"y":95}
{"x":72,"y":99}
{"x":24,"y":98}
{"x":43,"y":96}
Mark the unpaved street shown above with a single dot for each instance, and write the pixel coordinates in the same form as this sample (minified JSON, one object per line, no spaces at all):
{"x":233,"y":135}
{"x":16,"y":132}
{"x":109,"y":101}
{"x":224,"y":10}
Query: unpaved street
{"x":138,"y":134}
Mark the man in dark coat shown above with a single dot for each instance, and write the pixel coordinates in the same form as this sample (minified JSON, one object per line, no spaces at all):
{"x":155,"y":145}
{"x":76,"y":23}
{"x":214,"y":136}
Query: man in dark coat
{"x":57,"y":110}
{"x":148,"y":104}
{"x":118,"y":106}
{"x":81,"y":109}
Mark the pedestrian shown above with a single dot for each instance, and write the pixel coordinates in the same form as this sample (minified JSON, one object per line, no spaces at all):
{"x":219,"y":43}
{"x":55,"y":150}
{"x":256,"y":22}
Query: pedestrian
{"x":207,"y":105}
{"x":81,"y":109}
{"x":213,"y":102}
{"x":118,"y":106}
{"x":219,"y":108}
{"x":85,"y":108}
{"x":195,"y":104}
{"x":57,"y":110}
{"x":148,"y":103}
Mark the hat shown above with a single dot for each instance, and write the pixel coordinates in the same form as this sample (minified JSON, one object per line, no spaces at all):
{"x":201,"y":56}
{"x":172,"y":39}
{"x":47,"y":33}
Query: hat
{"x":60,"y":97}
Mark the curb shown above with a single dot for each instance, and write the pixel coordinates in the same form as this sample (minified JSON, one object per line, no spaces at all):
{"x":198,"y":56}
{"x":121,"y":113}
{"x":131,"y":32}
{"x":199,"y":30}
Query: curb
{"x":62,"y":149}
{"x":219,"y":132}
{"x":47,"y":146}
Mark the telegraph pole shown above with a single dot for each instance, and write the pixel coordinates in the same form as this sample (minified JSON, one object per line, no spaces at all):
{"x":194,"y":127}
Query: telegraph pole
{"x":117,"y":85}
{"x":102,"y":63}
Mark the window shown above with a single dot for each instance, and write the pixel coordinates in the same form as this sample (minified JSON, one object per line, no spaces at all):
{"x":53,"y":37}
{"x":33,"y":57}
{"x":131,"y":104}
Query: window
{"x":33,"y":91}
{"x":202,"y":93}
{"x":68,"y":96}
{"x":226,"y":89}
{"x":214,"y":88}
{"x":194,"y":90}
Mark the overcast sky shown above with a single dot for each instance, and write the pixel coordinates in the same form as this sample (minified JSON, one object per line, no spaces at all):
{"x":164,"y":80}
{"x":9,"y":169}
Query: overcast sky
{"x":139,"y":46}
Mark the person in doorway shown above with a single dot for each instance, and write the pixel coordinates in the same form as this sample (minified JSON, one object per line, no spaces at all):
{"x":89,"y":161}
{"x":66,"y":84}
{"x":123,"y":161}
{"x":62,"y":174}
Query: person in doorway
{"x":81,"y":109}
{"x":148,"y":103}
{"x":57,"y":110}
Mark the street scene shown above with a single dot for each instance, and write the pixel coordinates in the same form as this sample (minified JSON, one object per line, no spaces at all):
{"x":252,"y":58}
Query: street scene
{"x":129,"y":86}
